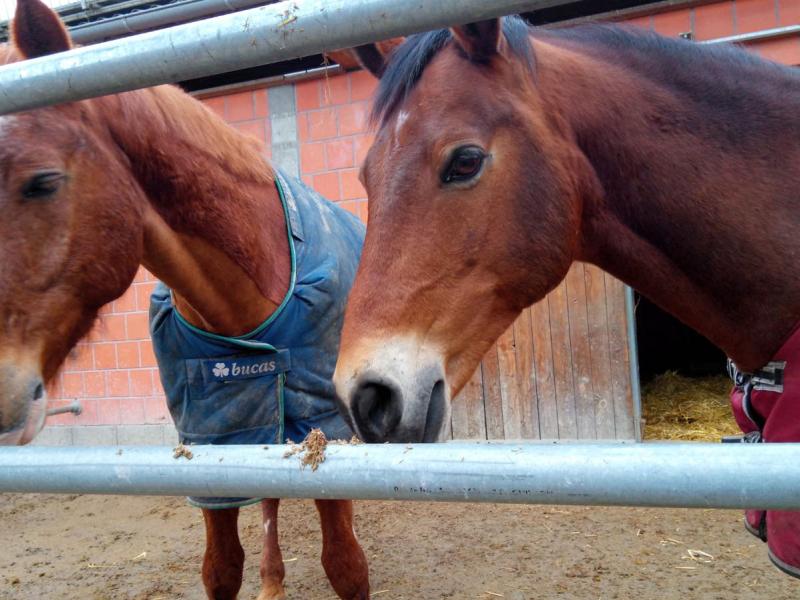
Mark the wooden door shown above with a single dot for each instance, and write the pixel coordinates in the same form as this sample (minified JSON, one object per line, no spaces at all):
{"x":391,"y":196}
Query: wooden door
{"x":561,"y":371}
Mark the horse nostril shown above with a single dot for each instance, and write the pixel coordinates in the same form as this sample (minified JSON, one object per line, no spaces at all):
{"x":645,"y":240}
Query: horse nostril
{"x":38,"y":392}
{"x":377,"y":409}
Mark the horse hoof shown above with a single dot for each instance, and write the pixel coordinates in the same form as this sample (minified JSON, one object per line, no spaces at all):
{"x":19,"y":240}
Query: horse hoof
{"x":272,"y":592}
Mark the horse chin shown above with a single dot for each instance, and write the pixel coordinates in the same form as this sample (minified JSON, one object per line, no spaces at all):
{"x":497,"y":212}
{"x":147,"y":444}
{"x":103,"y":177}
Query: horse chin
{"x":12,"y":438}
{"x":32,"y":427}
{"x":36,"y":418}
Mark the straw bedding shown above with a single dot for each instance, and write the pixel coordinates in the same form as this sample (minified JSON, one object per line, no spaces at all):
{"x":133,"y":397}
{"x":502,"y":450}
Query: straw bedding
{"x":687,"y":408}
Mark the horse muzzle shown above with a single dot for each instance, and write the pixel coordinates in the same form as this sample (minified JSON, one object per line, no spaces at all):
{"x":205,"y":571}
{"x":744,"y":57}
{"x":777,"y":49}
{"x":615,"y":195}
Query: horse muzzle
{"x":23,"y":403}
{"x":398,"y":395}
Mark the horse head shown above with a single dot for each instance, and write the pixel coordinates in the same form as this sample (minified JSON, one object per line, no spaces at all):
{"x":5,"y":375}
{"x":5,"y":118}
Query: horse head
{"x":463,"y":144}
{"x":70,"y":240}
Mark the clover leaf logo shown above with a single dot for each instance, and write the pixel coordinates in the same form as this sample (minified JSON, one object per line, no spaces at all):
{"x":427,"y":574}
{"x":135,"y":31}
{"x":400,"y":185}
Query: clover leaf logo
{"x":220,"y":370}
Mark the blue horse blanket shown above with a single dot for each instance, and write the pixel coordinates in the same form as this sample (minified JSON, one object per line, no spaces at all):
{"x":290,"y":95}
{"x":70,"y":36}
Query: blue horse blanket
{"x":275,"y":382}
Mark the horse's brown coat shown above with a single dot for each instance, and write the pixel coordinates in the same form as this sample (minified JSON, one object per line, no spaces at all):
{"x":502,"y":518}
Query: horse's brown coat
{"x":672,"y":166}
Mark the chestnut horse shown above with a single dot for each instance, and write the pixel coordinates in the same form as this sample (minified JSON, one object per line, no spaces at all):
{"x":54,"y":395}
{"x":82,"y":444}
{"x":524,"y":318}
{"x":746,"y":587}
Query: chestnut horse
{"x":504,"y":153}
{"x":93,"y":189}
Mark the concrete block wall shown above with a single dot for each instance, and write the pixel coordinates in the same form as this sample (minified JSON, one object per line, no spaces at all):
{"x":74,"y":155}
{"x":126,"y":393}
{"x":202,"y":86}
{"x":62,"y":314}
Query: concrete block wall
{"x":318,"y":130}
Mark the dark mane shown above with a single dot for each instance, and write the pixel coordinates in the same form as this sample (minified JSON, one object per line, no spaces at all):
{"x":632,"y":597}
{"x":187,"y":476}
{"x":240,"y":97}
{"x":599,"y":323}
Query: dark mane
{"x":409,"y":60}
{"x":724,"y":79}
{"x":628,"y":39}
{"x":661,"y":57}
{"x":677,"y":63}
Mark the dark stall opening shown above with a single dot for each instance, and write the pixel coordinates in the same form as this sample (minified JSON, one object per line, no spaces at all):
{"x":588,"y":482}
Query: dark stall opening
{"x":666,"y":344}
{"x":685,"y":387}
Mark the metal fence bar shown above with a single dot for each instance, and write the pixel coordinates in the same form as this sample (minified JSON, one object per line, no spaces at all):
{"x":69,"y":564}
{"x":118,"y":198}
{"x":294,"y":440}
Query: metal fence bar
{"x":229,"y":42}
{"x":756,"y":36}
{"x":155,"y":17}
{"x":633,"y":361}
{"x":657,"y":474}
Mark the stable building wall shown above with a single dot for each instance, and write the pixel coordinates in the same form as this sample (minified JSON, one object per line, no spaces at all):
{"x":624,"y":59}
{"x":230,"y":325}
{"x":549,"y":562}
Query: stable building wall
{"x":562,"y":371}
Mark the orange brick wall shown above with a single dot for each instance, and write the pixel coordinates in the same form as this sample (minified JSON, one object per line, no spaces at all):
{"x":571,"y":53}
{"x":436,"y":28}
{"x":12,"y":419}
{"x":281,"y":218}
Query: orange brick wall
{"x":113,"y":373}
{"x":332,"y":118}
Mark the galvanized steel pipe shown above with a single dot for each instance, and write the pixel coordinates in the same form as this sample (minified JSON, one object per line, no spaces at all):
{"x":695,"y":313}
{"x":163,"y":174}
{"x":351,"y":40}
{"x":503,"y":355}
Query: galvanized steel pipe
{"x":155,"y":17}
{"x":229,"y":42}
{"x":649,"y":474}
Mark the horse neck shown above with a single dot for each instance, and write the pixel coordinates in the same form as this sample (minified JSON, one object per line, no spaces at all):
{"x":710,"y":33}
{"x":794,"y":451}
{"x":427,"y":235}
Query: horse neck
{"x":214,"y":223}
{"x":695,"y":197}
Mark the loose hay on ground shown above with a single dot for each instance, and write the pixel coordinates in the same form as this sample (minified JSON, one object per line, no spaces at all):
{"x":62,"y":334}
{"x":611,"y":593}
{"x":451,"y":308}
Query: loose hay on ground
{"x":687,"y":408}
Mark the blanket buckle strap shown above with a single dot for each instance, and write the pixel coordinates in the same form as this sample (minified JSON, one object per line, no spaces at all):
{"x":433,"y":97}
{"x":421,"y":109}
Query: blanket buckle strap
{"x":769,"y":379}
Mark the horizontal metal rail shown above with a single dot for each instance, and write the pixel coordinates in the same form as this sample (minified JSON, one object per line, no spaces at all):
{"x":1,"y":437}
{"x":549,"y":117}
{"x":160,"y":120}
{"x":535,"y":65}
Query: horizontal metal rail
{"x":229,"y":42}
{"x":271,"y":81}
{"x":756,"y":36}
{"x":649,"y":474}
{"x":155,"y":17}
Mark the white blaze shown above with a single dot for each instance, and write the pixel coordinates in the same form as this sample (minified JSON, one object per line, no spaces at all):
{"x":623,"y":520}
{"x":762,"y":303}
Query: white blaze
{"x":402,"y":117}
{"x":5,"y":122}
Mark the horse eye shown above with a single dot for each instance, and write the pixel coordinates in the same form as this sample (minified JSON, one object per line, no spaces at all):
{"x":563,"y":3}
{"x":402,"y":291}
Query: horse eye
{"x":42,"y":185}
{"x":465,"y":163}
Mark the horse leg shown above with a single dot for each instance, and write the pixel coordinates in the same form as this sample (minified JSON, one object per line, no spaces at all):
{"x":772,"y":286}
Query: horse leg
{"x":272,"y":569}
{"x":224,"y":558}
{"x":342,"y":557}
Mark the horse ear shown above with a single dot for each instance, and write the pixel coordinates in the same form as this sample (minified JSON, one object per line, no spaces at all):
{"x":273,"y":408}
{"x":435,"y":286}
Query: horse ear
{"x":37,"y":30}
{"x":375,"y":57}
{"x":344,"y":58}
{"x":480,"y":41}
{"x":371,"y":58}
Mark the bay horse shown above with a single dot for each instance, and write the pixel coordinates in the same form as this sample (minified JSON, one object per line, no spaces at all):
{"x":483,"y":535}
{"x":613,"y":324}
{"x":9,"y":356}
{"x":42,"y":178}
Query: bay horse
{"x":90,"y":191}
{"x":505,"y":153}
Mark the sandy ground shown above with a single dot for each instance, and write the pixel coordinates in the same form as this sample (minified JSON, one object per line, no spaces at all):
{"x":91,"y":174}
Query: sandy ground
{"x":104,"y":548}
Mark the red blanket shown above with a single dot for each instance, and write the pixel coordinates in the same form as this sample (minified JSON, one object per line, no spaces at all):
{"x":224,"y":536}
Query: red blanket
{"x":766,"y":405}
